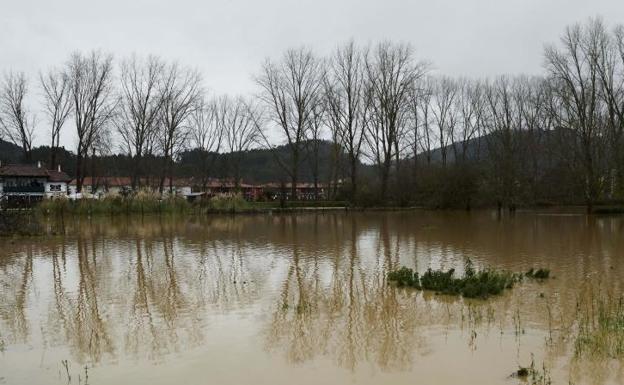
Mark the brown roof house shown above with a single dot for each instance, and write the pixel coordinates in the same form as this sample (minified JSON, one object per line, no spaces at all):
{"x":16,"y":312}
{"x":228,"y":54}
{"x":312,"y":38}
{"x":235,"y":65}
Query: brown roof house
{"x":22,"y":183}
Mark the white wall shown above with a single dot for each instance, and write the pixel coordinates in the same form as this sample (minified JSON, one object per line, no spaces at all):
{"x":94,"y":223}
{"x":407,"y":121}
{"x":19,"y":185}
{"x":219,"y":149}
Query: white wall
{"x":49,"y":192}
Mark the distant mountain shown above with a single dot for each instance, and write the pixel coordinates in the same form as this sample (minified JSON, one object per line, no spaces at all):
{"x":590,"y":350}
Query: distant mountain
{"x":479,"y":148}
{"x":261,"y":165}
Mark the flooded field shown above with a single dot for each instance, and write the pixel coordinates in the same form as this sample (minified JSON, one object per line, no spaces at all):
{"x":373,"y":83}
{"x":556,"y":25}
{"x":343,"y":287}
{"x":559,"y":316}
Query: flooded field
{"x":283,"y":299}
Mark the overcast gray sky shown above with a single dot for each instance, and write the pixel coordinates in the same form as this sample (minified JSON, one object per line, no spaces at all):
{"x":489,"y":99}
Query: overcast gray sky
{"x":228,"y":39}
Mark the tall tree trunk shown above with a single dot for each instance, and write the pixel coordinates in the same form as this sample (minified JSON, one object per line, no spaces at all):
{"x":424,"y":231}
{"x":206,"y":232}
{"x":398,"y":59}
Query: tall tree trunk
{"x":79,"y":176}
{"x":353,"y":178}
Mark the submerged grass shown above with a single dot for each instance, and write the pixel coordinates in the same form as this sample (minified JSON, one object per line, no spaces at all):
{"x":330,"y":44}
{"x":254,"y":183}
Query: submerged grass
{"x":601,"y":328}
{"x":538,"y":273}
{"x":20,"y":224}
{"x":474,"y":284}
{"x":114,"y":205}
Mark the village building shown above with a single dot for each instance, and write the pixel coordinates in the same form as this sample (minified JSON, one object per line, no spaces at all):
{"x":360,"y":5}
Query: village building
{"x":98,"y":187}
{"x":22,"y":185}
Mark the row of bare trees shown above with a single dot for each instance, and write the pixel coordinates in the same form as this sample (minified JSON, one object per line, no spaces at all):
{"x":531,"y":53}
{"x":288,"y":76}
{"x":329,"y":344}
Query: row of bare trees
{"x":153,"y":107}
{"x":377,"y":104}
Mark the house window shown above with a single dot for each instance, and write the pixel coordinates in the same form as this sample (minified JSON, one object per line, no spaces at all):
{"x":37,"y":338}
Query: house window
{"x":55,"y":187}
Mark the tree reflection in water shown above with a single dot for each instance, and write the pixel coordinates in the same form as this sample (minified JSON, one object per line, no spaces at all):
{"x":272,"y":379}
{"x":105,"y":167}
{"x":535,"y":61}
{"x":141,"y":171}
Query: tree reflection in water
{"x":356,"y":318}
{"x":309,"y":287}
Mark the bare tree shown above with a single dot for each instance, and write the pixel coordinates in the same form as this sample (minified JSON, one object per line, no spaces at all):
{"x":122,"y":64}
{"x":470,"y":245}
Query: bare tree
{"x":92,"y":93}
{"x":470,"y":103}
{"x":444,"y":113}
{"x":16,"y":123}
{"x":576,"y":82}
{"x":141,"y":101}
{"x":206,"y":136}
{"x":57,"y":105}
{"x":237,"y":119}
{"x":344,"y":88}
{"x":503,"y":126}
{"x":420,"y":106}
{"x":180,"y":92}
{"x":391,"y":73}
{"x":314,"y":144}
{"x":291,"y":89}
{"x":606,"y":51}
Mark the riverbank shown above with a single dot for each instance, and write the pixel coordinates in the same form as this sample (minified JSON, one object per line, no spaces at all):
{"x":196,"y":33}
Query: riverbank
{"x":152,"y":204}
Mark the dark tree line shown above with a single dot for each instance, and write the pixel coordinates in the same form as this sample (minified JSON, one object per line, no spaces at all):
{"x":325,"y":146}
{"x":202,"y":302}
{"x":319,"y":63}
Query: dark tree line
{"x":397,"y":132}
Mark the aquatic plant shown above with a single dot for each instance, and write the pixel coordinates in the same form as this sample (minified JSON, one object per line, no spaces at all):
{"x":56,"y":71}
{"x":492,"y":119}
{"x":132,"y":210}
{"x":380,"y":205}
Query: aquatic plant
{"x":404,"y":277}
{"x":533,"y":375}
{"x":600,"y":328}
{"x":474,"y":283}
{"x":19,"y":223}
{"x":538,"y":273}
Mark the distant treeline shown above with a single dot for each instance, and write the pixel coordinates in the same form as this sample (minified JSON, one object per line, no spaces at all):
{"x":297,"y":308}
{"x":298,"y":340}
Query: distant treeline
{"x":398,"y":133}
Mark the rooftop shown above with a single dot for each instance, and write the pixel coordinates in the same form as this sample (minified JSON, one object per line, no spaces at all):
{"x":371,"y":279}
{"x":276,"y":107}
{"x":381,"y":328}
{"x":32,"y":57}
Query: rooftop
{"x":33,"y":171}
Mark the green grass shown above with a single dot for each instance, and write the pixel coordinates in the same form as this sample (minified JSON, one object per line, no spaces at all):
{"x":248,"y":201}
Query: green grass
{"x":19,"y":223}
{"x":474,"y":284}
{"x":600,"y":328}
{"x":538,"y":273}
{"x":114,"y":205}
{"x":145,"y":202}
{"x":405,"y":277}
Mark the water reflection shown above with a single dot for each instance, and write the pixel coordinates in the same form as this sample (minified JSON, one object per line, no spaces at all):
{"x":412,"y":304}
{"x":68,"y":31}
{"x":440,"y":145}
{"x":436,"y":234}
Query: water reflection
{"x":308,"y":287}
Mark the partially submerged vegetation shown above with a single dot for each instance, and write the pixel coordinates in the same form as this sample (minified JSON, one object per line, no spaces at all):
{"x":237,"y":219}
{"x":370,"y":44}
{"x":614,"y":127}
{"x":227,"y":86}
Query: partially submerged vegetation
{"x":538,"y":273}
{"x":114,"y":204}
{"x":145,"y":202}
{"x":19,"y":223}
{"x":600,"y":328}
{"x":533,"y":375}
{"x":473,"y":284}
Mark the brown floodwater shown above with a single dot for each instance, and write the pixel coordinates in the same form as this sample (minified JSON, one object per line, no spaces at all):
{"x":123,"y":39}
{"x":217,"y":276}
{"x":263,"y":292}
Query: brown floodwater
{"x":302,"y":298}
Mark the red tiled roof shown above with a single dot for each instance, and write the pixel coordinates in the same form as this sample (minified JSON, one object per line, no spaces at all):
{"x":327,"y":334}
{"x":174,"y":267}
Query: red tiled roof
{"x":23,"y":170}
{"x":58,"y":176}
{"x":126,"y":181}
{"x":26,"y":170}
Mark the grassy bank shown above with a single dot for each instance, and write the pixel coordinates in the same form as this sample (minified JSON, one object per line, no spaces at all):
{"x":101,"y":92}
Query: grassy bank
{"x":145,"y":203}
{"x":20,"y":224}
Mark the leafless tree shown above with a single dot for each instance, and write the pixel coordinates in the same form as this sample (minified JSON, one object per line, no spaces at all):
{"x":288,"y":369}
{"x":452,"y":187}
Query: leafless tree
{"x":57,"y":105}
{"x":470,"y":103}
{"x":420,"y":105}
{"x":206,"y":136}
{"x":314,"y":144}
{"x":345,"y":103}
{"x":291,"y":90}
{"x":606,"y":51}
{"x":141,"y":101}
{"x":391,"y":72}
{"x":238,"y":120}
{"x":92,"y":93}
{"x":576,"y":82}
{"x":503,"y":126}
{"x":180,"y":92}
{"x":445,"y":114}
{"x":17,"y":124}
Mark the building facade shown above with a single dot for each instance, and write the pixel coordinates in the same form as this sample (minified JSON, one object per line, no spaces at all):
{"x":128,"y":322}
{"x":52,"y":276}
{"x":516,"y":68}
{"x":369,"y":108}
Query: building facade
{"x":22,"y":185}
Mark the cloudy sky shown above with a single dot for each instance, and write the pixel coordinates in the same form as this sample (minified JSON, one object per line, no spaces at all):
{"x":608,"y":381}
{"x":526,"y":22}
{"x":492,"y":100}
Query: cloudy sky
{"x":228,"y":39}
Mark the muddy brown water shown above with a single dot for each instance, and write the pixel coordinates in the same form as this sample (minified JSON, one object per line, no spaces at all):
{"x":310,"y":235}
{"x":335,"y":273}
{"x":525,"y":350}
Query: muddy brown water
{"x":283,"y":299}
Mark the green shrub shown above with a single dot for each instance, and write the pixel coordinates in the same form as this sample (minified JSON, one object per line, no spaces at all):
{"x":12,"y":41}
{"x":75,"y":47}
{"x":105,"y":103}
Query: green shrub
{"x":474,"y":284}
{"x":231,"y":203}
{"x":538,"y":274}
{"x":116,"y":204}
{"x":404,"y":277}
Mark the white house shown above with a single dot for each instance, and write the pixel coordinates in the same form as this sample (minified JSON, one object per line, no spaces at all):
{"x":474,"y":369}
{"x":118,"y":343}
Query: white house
{"x":22,"y":184}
